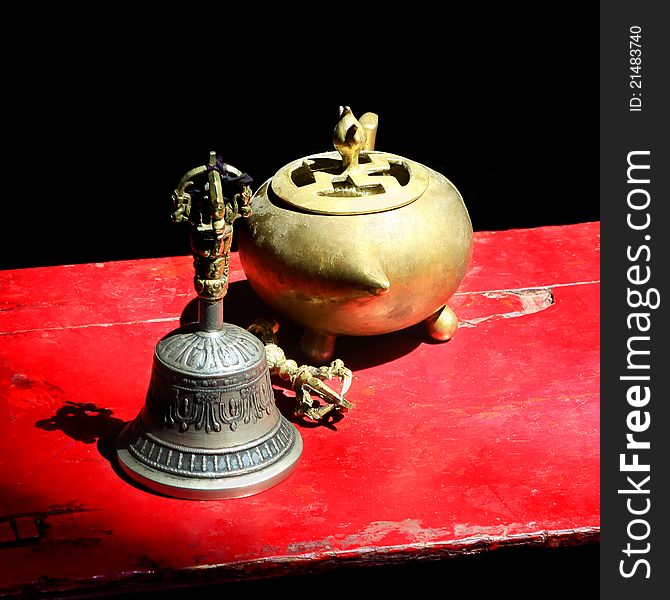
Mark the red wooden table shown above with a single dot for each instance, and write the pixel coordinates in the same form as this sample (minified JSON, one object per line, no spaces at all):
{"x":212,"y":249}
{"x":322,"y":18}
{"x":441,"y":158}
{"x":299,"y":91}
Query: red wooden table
{"x":491,"y":439}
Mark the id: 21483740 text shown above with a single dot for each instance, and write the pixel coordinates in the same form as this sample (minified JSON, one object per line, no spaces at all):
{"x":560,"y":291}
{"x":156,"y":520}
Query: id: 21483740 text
{"x":635,"y":83}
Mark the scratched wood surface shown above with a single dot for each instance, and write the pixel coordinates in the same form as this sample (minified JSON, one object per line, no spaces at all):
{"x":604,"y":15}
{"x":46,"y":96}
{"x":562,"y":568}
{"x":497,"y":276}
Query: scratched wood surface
{"x":489,"y":440}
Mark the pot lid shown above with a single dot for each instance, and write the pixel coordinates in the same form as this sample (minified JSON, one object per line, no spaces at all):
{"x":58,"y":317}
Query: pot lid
{"x":354,"y":180}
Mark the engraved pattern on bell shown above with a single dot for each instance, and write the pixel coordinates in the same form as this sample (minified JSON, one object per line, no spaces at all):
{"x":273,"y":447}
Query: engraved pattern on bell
{"x":196,"y":462}
{"x":200,"y":352}
{"x":207,"y":408}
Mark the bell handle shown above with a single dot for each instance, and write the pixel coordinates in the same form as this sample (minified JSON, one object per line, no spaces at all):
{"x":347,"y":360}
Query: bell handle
{"x":210,"y":207}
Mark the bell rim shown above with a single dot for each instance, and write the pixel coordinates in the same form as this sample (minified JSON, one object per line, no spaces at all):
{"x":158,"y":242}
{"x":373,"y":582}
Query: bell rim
{"x":226,"y":486}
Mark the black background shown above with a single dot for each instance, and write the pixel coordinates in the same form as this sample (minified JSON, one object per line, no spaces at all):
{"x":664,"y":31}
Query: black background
{"x":103,"y":123}
{"x":105,"y":117}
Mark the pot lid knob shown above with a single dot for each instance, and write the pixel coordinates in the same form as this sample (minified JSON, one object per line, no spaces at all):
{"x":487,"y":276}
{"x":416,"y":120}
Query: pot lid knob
{"x":354,"y":180}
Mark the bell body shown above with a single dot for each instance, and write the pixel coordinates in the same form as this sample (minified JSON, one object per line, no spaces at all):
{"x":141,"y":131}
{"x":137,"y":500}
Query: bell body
{"x":359,"y":274}
{"x":210,"y":427}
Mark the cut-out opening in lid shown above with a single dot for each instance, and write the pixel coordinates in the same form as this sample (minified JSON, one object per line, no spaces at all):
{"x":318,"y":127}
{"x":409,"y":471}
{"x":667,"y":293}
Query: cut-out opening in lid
{"x":322,"y":184}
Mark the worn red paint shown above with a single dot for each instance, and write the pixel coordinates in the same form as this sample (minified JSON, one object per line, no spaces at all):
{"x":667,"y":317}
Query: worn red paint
{"x":489,"y":439}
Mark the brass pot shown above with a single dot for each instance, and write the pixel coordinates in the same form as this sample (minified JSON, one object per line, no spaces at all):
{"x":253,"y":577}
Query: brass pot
{"x":357,"y":242}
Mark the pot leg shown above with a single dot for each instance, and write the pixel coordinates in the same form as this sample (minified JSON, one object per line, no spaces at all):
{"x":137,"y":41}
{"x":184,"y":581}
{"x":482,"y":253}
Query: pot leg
{"x":442,"y":325}
{"x":317,"y":347}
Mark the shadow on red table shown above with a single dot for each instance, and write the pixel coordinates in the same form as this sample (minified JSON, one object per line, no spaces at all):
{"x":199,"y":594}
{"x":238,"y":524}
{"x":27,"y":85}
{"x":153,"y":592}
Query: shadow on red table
{"x":84,"y":422}
{"x":90,"y":424}
{"x":242,"y":306}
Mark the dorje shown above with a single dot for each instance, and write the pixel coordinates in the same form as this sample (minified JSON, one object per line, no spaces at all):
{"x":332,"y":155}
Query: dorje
{"x":210,"y":427}
{"x":357,"y":242}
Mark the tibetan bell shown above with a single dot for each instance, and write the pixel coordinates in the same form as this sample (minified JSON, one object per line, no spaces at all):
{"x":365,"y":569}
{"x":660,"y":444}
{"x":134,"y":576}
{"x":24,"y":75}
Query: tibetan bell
{"x":210,"y":427}
{"x":357,"y":242}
